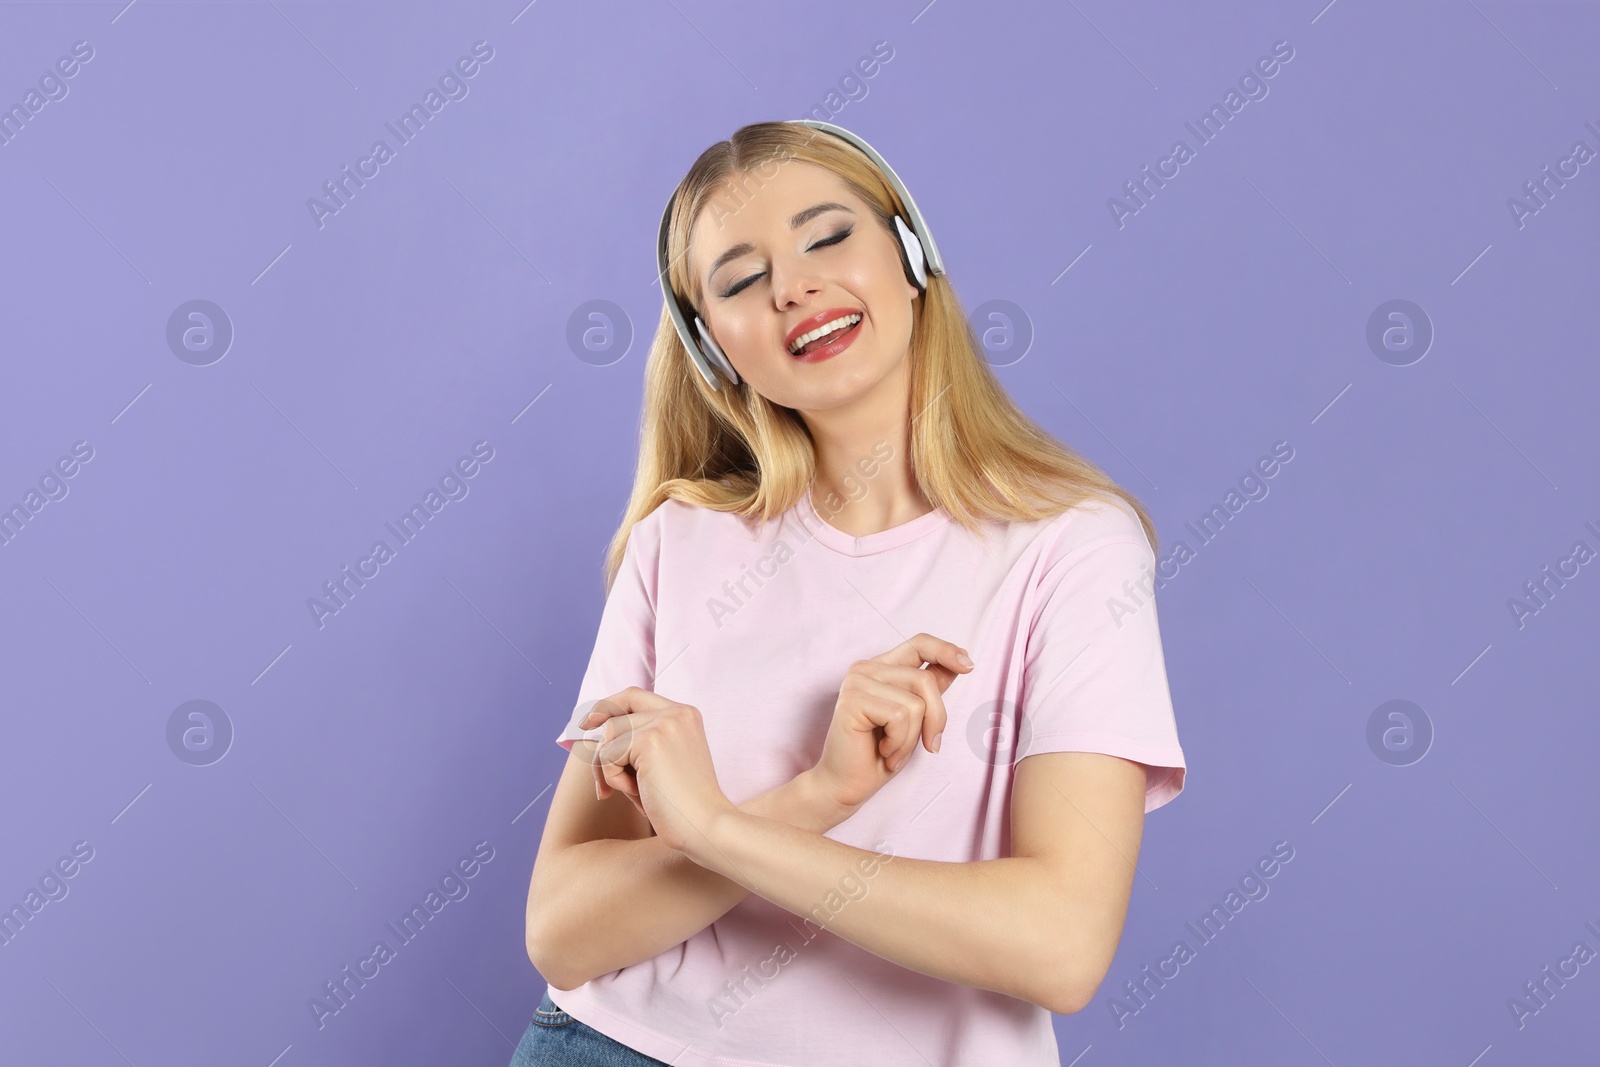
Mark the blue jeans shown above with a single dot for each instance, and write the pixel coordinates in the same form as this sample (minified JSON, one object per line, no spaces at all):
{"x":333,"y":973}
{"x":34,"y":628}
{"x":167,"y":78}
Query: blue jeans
{"x":556,"y":1039}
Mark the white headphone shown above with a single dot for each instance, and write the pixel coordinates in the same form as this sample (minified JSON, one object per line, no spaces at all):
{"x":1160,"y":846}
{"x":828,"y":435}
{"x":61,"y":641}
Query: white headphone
{"x":921,"y":258}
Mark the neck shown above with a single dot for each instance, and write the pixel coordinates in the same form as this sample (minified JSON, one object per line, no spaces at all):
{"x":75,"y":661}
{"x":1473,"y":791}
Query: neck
{"x":863,"y":482}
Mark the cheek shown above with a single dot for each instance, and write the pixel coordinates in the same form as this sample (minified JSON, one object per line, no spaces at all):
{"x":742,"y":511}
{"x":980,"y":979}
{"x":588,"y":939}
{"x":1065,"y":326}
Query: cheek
{"x":750,"y":337}
{"x":747,"y":341}
{"x":891,"y":284}
{"x":892,"y":295}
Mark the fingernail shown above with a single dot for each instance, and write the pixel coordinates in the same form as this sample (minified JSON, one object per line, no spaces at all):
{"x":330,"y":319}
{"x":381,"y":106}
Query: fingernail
{"x":963,"y":659}
{"x":937,"y":739}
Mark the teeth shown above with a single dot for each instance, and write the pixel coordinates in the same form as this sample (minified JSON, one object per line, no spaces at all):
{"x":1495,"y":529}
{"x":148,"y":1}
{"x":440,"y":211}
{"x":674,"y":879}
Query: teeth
{"x":843,"y":323}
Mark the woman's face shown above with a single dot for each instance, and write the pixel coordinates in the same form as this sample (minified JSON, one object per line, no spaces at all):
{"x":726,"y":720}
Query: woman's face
{"x":805,"y":251}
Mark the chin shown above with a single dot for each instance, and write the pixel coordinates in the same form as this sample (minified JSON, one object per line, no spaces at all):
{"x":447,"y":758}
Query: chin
{"x":844,"y":388}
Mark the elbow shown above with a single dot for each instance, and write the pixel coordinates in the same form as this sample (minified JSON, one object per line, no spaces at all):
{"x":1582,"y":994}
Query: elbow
{"x":544,"y":943}
{"x":1065,"y":997}
{"x":545,"y":954}
{"x":554,"y":957}
{"x":1072,"y":986}
{"x":1078,"y":959}
{"x":537,"y":955}
{"x":546,"y":963}
{"x":1054,"y":986}
{"x":1070,"y":999}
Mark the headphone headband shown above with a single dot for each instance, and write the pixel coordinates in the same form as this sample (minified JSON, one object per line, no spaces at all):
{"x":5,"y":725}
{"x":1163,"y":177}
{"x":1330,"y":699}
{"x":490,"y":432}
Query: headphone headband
{"x":921,"y":254}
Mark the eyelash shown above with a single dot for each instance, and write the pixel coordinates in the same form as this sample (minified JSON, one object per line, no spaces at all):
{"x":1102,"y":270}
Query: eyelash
{"x":824,"y":243}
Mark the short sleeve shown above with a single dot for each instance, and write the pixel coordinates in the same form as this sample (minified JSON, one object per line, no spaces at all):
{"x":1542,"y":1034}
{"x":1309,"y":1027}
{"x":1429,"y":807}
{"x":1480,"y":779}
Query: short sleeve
{"x":624,"y":644}
{"x":1094,"y":677}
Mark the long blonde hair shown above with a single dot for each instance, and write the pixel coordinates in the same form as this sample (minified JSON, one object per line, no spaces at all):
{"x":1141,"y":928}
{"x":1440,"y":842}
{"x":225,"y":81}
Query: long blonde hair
{"x":973,"y":451}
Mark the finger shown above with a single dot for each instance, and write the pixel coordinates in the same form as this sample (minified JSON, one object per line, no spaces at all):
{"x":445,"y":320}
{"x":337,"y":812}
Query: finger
{"x":925,"y":648}
{"x":945,"y":660}
{"x":911,"y":678}
{"x":934,"y":714}
{"x":614,"y":758}
{"x":885,"y":696}
{"x":616,"y":725}
{"x":893,"y":687}
{"x":927,"y":685}
{"x":629,"y":700}
{"x":902,"y":729}
{"x":941,"y":674}
{"x":589,"y":751}
{"x":896,"y":738}
{"x":621,"y":779}
{"x":933,"y":725}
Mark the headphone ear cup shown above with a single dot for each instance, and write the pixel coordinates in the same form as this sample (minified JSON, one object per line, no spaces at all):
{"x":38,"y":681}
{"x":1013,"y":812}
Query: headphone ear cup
{"x":714,"y":353}
{"x":914,"y":253}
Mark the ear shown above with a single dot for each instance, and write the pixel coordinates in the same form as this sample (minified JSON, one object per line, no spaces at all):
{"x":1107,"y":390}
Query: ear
{"x":915,"y":258}
{"x":714,"y":353}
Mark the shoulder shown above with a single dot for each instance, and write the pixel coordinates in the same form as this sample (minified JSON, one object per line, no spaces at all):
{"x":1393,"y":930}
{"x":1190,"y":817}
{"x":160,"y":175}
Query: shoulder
{"x":676,"y":521}
{"x":673,"y":516}
{"x":1090,"y":524}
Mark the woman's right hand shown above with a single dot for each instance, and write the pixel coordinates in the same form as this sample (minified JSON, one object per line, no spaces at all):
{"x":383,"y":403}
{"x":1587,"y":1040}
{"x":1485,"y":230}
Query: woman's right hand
{"x":886,"y":704}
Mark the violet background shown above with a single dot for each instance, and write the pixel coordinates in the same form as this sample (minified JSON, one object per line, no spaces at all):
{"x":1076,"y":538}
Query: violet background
{"x":435,"y":309}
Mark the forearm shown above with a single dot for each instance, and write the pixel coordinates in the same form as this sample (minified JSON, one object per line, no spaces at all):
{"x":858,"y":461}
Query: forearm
{"x":997,"y":924}
{"x":612,"y":903}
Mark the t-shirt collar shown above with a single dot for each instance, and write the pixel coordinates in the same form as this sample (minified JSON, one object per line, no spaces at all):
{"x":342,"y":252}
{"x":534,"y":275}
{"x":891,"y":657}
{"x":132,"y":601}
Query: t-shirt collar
{"x":805,"y":513}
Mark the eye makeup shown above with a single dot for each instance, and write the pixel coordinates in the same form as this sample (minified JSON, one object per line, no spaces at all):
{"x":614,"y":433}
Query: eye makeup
{"x":827,"y":242}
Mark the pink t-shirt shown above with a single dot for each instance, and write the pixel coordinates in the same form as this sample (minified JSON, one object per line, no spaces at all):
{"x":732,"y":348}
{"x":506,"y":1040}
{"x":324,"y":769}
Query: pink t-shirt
{"x":756,"y":629}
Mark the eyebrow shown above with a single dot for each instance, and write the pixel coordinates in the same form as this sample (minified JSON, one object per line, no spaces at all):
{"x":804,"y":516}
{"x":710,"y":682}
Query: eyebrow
{"x":799,"y":220}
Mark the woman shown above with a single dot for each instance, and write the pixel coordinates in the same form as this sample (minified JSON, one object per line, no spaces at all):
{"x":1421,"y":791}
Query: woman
{"x":844,"y":543}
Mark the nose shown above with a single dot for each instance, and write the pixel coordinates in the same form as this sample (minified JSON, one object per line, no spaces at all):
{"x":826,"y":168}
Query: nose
{"x":792,"y":283}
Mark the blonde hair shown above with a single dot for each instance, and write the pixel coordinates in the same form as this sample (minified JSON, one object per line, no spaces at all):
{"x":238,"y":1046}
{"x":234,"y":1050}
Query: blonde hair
{"x":973,"y":451}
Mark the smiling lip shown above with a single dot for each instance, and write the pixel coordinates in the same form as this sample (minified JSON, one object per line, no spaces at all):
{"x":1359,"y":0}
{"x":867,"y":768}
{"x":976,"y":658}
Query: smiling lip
{"x":837,"y":342}
{"x":807,"y":325}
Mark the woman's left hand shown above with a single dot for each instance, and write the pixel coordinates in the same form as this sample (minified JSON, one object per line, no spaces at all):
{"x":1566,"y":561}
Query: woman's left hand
{"x":655,"y":751}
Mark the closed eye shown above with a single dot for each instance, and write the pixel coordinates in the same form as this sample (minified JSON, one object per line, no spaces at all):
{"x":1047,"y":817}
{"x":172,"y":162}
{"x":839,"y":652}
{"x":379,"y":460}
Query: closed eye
{"x":826,"y":242}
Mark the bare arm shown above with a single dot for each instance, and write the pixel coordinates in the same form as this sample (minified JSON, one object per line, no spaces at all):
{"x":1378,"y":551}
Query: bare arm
{"x":1041,"y":925}
{"x":606,"y":893}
